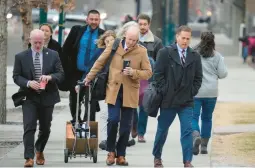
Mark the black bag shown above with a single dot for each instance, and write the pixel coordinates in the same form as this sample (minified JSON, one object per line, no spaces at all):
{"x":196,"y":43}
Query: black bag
{"x":99,"y":85}
{"x":152,"y":100}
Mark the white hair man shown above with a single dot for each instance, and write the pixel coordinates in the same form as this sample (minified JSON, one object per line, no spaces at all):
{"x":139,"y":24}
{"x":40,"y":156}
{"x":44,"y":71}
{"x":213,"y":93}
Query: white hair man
{"x":122,"y":90}
{"x":37,"y":71}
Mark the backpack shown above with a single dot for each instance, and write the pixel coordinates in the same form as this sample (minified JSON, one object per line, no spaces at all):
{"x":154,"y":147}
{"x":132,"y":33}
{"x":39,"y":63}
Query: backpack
{"x":98,"y":89}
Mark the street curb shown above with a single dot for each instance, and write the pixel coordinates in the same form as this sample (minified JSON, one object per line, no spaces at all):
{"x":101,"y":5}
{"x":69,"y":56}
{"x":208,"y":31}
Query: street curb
{"x":18,"y":109}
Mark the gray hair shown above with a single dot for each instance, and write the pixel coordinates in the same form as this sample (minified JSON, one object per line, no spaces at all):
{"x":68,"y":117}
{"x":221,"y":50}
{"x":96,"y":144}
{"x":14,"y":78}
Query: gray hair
{"x":36,"y":32}
{"x":125,"y":27}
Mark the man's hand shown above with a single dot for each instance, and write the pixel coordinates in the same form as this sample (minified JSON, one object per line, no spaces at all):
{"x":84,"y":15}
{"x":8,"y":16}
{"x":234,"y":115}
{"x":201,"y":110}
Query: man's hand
{"x":34,"y":85}
{"x":128,"y":71}
{"x":45,"y":78}
{"x":86,"y":81}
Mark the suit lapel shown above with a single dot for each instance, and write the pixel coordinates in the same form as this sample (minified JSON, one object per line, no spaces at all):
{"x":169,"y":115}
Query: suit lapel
{"x":189,"y":59}
{"x":175,"y":55}
{"x":45,"y":60}
{"x":80,"y":33}
{"x":30,"y":62}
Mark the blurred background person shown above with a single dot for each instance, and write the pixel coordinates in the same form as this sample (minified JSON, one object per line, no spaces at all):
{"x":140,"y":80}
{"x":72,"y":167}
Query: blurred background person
{"x":102,"y":43}
{"x":122,"y":90}
{"x":214,"y":69}
{"x":153,"y":44}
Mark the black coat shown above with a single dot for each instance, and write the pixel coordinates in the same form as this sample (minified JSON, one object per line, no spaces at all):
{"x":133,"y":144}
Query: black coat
{"x":180,"y":84}
{"x":70,"y":52}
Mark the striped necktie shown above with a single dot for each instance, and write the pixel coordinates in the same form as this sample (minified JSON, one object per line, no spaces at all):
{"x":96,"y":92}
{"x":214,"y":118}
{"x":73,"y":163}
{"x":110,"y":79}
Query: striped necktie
{"x":37,"y":66}
{"x":183,"y":57}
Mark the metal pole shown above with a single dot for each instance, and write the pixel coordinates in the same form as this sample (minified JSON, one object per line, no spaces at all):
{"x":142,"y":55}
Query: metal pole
{"x":164,"y":32}
{"x":183,"y":12}
{"x":61,"y":26}
{"x":138,"y":7}
{"x":171,"y":26}
{"x":43,"y":16}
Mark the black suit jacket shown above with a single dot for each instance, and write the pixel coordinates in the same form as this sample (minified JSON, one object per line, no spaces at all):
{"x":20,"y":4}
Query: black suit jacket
{"x":70,"y":52}
{"x":179,"y":83}
{"x":24,"y":71}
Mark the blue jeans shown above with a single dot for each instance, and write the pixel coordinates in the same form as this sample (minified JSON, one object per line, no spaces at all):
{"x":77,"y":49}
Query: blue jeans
{"x":117,"y":113}
{"x":165,"y":119}
{"x":142,"y":121}
{"x":245,"y":52}
{"x":206,"y":106}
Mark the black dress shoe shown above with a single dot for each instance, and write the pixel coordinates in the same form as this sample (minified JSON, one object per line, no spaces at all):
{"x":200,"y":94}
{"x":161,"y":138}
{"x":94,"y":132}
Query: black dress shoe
{"x":103,"y":145}
{"x":131,"y":142}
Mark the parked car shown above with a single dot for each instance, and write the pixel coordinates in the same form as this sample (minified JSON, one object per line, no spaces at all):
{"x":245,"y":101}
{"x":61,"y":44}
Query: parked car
{"x":80,"y":19}
{"x":52,"y":16}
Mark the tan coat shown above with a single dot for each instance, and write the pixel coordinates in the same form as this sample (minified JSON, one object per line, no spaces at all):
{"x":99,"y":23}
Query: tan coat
{"x":138,"y":61}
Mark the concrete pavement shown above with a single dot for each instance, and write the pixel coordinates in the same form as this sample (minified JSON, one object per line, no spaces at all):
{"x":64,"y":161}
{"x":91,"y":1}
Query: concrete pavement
{"x":138,"y":156}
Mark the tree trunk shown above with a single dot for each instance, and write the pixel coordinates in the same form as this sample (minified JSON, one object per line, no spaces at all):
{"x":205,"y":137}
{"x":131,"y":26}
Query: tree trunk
{"x":26,"y":15}
{"x":3,"y":56}
{"x":157,"y":18}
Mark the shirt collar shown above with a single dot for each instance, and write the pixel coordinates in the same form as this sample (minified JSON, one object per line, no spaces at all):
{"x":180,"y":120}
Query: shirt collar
{"x":91,"y":30}
{"x":40,"y":52}
{"x":180,"y":49}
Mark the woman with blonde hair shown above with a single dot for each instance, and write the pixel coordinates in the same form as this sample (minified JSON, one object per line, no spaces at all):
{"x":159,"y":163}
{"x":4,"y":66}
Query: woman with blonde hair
{"x":102,"y":43}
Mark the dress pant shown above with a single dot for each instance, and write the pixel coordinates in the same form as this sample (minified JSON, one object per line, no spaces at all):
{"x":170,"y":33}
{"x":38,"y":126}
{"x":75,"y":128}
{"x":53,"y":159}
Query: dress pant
{"x":31,"y":112}
{"x":165,"y":120}
{"x":84,"y":96}
{"x":117,"y":113}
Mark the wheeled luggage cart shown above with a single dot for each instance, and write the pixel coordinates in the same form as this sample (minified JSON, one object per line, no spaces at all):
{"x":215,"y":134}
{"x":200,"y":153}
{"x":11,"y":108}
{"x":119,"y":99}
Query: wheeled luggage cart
{"x":81,"y":138}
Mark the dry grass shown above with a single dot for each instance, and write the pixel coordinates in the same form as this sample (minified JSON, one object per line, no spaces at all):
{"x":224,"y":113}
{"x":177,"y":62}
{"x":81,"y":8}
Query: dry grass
{"x":234,"y":113}
{"x":237,"y":149}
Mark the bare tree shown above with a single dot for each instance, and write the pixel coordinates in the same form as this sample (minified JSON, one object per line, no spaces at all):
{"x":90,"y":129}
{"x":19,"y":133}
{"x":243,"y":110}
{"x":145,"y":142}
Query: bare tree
{"x":157,"y":17}
{"x":25,"y":9}
{"x":3,"y":56}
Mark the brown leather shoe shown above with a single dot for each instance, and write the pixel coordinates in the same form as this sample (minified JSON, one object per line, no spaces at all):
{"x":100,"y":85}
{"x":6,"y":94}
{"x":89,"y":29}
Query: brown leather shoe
{"x":110,"y":158}
{"x":29,"y":163}
{"x":141,"y":139}
{"x":121,"y":160}
{"x":188,"y":164}
{"x":40,"y":158}
{"x":158,"y":163}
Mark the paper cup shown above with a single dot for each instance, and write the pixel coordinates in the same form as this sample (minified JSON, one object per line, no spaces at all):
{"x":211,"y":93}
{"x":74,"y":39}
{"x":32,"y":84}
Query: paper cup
{"x":42,"y":85}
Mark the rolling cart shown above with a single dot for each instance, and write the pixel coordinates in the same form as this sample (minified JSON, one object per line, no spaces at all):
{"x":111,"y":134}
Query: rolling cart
{"x":81,"y":138}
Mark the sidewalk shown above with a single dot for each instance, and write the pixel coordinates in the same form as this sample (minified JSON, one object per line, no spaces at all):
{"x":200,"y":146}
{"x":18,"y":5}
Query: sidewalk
{"x":138,"y":156}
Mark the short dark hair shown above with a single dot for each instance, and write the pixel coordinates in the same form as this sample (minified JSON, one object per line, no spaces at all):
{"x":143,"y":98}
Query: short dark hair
{"x":93,"y":11}
{"x":183,"y":28}
{"x":144,"y":17}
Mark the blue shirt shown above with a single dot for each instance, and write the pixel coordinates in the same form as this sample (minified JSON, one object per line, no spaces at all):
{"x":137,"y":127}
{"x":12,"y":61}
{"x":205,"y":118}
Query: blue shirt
{"x":180,"y":51}
{"x":82,"y":65}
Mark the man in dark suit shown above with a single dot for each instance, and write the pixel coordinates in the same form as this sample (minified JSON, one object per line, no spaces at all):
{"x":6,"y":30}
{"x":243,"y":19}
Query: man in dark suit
{"x":179,"y":69}
{"x":78,"y":51}
{"x":33,"y":68}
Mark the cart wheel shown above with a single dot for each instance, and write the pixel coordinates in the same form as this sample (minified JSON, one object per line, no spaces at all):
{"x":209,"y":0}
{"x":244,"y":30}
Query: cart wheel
{"x":66,"y":155}
{"x":94,"y":154}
